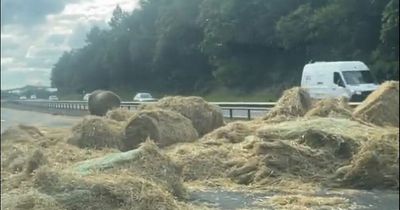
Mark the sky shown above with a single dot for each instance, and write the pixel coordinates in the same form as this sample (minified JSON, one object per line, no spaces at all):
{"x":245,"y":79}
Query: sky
{"x":34,"y":34}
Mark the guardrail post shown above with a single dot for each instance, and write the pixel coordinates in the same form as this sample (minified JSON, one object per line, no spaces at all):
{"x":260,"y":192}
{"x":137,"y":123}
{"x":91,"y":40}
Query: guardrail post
{"x":231,"y":114}
{"x":249,"y":114}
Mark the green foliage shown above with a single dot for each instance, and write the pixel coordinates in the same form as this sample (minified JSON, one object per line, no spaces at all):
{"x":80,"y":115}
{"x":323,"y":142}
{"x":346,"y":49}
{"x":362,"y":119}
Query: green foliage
{"x":195,"y":46}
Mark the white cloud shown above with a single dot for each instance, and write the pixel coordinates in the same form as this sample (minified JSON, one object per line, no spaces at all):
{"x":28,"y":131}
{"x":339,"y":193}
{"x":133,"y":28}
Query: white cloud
{"x":34,"y":50}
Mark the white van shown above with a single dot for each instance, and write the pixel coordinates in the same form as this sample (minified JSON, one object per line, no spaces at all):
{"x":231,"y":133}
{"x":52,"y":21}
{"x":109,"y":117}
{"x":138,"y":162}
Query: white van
{"x":351,"y":79}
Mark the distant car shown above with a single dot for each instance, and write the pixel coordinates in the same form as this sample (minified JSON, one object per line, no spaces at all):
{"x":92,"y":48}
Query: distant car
{"x":53,"y":98}
{"x":144,"y":97}
{"x":22,"y":98}
{"x":33,"y":97}
{"x":86,"y":97}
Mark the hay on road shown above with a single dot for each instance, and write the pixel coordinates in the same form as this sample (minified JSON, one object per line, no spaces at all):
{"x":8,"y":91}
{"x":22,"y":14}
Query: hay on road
{"x":382,"y":106}
{"x":21,"y":133}
{"x":307,"y":202}
{"x":376,"y":165}
{"x":309,"y":150}
{"x":151,"y":181}
{"x":31,"y":200}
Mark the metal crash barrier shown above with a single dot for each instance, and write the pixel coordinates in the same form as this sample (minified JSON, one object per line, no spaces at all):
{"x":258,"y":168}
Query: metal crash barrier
{"x":231,"y":110}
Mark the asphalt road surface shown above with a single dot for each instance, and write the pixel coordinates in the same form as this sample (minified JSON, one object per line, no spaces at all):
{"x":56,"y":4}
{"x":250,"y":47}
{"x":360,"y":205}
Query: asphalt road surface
{"x":361,"y":199}
{"x":12,"y":117}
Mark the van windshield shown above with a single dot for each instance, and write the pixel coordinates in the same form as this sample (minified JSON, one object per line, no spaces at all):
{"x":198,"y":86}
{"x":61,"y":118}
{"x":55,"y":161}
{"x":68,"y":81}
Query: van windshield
{"x":358,"y":77}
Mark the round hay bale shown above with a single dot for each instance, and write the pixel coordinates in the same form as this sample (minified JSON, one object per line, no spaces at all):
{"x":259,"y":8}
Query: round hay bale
{"x":96,"y":132}
{"x":330,"y":107}
{"x":294,"y":102}
{"x":163,"y":126}
{"x":119,"y":114}
{"x":100,"y":102}
{"x":382,"y":106}
{"x":204,"y":116}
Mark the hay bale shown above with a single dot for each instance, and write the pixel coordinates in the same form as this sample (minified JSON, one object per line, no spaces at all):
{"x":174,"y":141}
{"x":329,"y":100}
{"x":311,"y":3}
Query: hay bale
{"x":163,"y":126}
{"x":204,"y":116}
{"x":376,"y":165}
{"x":330,"y":107}
{"x":294,"y":102}
{"x":96,"y":132}
{"x":382,"y":106}
{"x":119,"y":114}
{"x":100,"y":102}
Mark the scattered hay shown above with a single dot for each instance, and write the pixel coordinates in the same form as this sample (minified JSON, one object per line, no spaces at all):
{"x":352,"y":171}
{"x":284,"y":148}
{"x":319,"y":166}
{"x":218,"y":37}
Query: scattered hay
{"x":147,"y":180}
{"x":345,"y":128}
{"x":119,"y":114}
{"x":22,"y":159}
{"x":100,"y":102}
{"x":96,"y":132}
{"x":375,"y":166}
{"x":204,"y":116}
{"x":31,"y":200}
{"x":294,"y":103}
{"x":163,"y":126}
{"x":200,"y":161}
{"x":21,"y":149}
{"x":21,"y":133}
{"x":122,"y":191}
{"x":303,"y":202}
{"x":150,"y":182}
{"x":36,"y":160}
{"x":146,"y":161}
{"x":331,"y":107}
{"x":310,"y":150}
{"x":382,"y":106}
{"x":233,"y":132}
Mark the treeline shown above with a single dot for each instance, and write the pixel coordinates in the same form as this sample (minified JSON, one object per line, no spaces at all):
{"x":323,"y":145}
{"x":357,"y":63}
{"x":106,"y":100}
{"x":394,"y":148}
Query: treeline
{"x":187,"y":46}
